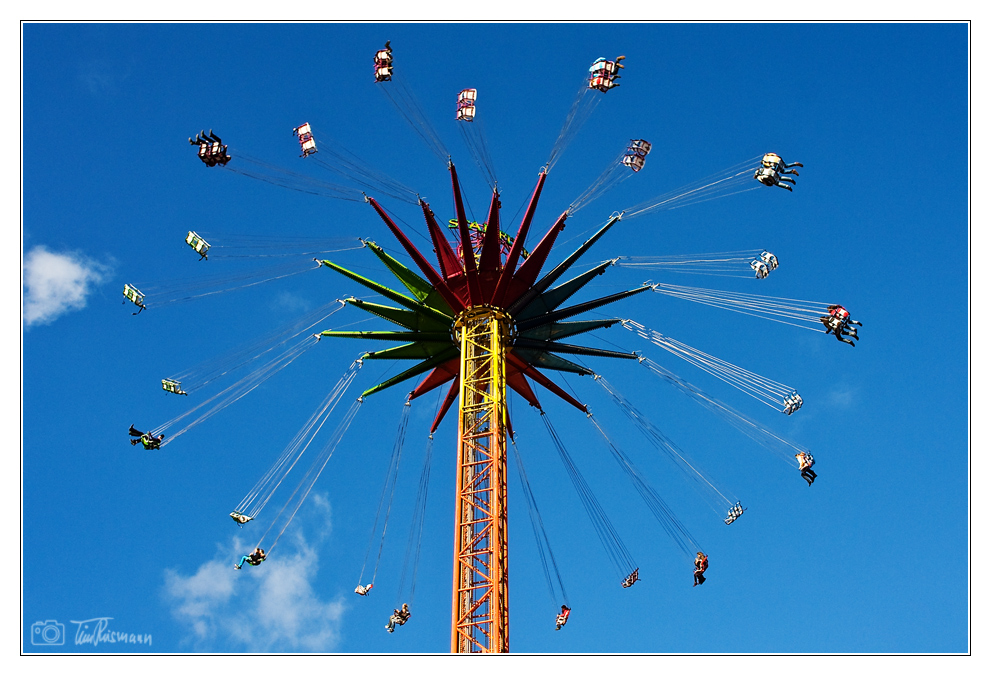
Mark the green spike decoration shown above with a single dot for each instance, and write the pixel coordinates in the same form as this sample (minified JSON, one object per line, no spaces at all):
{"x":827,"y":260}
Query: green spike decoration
{"x":415,"y":320}
{"x":422,"y":367}
{"x":394,"y":296}
{"x":414,"y":336}
{"x":418,"y":350}
{"x":418,"y":286}
{"x":559,"y":330}
{"x":546,"y":360}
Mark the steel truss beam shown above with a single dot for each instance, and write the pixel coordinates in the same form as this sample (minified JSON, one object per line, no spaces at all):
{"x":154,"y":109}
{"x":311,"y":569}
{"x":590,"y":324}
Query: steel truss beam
{"x":481,"y":550}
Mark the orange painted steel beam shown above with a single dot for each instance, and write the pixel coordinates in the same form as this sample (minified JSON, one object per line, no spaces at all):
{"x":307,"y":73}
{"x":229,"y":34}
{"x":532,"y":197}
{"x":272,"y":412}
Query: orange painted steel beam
{"x":480,"y":607}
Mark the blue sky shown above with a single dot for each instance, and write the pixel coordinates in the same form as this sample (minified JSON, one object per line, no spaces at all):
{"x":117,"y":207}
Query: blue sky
{"x":870,"y":559}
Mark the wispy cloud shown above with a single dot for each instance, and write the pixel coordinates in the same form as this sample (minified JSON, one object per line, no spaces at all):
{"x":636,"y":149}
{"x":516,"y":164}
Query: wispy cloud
{"x":271,"y":608}
{"x":841,"y":396}
{"x":56,"y":283}
{"x":102,"y":77}
{"x":290,"y":303}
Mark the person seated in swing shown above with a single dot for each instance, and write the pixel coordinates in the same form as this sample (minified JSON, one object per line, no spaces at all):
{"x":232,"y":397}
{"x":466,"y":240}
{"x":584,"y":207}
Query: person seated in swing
{"x":383,"y":64}
{"x":399,"y":617}
{"x":383,"y":57}
{"x":839,"y":327}
{"x":805,"y":462}
{"x":253,"y":559}
{"x":734,"y":513}
{"x":240,"y":519}
{"x":792,"y":403}
{"x":846,"y":330}
{"x":562,"y":618}
{"x":774,"y":161}
{"x":701,"y":564}
{"x":831,"y":322}
{"x":363,"y":590}
{"x":770,"y":176}
{"x":843,"y":314}
{"x":631,"y":578}
{"x":760,"y":267}
{"x":147,"y":440}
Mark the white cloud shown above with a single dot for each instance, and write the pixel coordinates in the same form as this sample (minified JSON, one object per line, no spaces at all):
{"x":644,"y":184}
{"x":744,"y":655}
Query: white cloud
{"x":197,"y":596}
{"x":103,"y":77}
{"x":841,"y":397}
{"x":290,"y":303}
{"x":55,"y":283}
{"x":271,"y":608}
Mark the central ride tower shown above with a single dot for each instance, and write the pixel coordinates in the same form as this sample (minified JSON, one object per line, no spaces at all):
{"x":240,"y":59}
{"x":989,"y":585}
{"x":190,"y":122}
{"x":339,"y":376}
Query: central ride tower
{"x":485,"y":320}
{"x":480,"y":614}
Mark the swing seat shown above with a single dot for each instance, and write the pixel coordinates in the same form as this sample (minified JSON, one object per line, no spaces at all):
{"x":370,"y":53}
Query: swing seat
{"x":760,"y":268}
{"x":132,"y":294}
{"x":772,"y":160}
{"x":308,"y":146}
{"x":734,"y":513}
{"x":640,"y":146}
{"x":173,"y":386}
{"x":240,"y":519}
{"x":599,"y":82}
{"x":199,"y":245}
{"x":602,"y":67}
{"x":213,"y":154}
{"x":634,"y":162}
{"x":466,"y":104}
{"x":598,"y":64}
{"x":306,"y":142}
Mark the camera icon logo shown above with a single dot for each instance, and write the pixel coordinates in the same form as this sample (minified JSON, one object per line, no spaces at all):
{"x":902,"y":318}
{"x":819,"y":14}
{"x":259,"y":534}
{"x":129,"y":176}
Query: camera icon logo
{"x":48,"y":632}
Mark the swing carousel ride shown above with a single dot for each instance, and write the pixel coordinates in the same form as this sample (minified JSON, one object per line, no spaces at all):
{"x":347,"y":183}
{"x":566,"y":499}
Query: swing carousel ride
{"x":485,"y":319}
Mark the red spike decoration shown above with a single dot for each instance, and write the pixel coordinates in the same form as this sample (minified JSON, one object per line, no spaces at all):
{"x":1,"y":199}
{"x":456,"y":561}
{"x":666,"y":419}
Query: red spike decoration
{"x":514,"y":253}
{"x":467,"y":251}
{"x":450,"y":264}
{"x":445,"y":291}
{"x":528,"y":272}
{"x":490,"y":262}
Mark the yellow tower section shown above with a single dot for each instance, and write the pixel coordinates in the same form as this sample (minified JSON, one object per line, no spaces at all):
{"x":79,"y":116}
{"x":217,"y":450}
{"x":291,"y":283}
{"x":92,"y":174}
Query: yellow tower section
{"x":481,"y":547}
